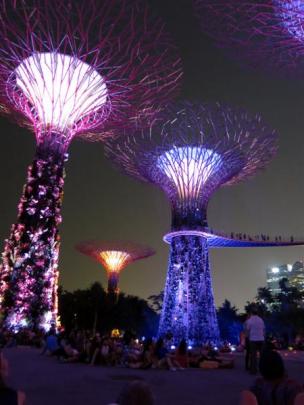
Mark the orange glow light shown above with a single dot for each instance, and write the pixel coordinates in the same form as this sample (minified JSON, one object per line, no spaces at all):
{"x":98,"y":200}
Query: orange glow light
{"x":114,"y":260}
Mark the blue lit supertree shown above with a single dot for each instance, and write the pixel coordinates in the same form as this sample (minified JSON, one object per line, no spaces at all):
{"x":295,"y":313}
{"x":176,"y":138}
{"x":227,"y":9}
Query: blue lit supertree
{"x":196,"y":150}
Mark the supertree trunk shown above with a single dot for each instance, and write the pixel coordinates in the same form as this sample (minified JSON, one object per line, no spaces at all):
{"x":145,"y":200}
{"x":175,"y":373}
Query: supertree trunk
{"x":113,"y":279}
{"x":189,"y":311}
{"x":113,"y":291}
{"x":29,"y":270}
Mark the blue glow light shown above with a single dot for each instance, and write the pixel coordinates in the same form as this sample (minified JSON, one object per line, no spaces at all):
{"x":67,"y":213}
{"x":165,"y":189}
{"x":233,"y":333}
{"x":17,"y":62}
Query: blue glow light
{"x":189,"y":310}
{"x":189,"y":167}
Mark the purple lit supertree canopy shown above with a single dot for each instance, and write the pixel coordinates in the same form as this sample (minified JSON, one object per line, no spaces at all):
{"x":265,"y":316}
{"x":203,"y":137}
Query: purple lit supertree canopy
{"x":70,"y":69}
{"x":114,"y":256}
{"x":263,"y":34}
{"x":198,"y":149}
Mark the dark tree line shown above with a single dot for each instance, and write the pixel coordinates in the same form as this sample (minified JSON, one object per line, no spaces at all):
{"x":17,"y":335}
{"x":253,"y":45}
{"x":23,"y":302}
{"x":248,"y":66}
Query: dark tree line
{"x":283,"y":314}
{"x":94,"y":309}
{"x":284,"y":311}
{"x":230,"y":322}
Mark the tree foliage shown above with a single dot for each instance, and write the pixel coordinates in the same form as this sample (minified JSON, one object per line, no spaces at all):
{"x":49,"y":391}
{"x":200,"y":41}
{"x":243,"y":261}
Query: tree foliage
{"x":156,"y":301}
{"x":229,"y":322}
{"x":94,"y":309}
{"x":283,"y":312}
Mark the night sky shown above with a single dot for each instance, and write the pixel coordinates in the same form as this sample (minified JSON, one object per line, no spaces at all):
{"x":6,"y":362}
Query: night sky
{"x":103,"y":204}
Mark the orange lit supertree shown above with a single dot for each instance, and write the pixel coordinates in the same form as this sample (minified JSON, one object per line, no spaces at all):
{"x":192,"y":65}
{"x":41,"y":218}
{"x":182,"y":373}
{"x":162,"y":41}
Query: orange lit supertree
{"x":262,"y":34}
{"x":70,"y":69}
{"x":114,"y":256}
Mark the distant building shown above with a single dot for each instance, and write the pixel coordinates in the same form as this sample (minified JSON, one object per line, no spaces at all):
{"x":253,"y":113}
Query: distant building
{"x":293,"y":273}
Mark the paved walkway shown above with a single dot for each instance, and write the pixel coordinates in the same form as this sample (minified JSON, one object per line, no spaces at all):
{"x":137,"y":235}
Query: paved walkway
{"x":47,"y":382}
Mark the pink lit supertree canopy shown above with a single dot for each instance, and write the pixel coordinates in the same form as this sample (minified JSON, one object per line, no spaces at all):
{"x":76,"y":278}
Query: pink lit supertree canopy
{"x":114,"y":256}
{"x":70,"y":69}
{"x":264,"y":34}
{"x":197,"y":149}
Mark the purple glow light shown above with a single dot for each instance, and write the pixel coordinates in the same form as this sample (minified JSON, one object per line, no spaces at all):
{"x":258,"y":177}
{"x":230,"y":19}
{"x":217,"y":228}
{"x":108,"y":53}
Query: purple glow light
{"x":291,"y":13}
{"x":194,"y":151}
{"x":191,"y":232}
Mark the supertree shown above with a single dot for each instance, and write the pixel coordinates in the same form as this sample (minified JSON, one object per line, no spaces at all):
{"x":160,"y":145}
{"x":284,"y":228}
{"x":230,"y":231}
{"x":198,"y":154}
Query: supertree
{"x":70,"y":69}
{"x":114,"y":256}
{"x":198,"y":149}
{"x":264,"y":34}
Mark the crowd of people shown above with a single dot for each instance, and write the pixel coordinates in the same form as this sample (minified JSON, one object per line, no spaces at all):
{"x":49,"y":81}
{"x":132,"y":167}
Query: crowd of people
{"x":251,"y":238}
{"x":259,"y":237}
{"x":128,"y":351}
{"x":246,"y":237}
{"x":273,"y":387}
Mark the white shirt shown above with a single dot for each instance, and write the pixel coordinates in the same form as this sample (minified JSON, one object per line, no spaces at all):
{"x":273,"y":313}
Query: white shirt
{"x":255,"y":328}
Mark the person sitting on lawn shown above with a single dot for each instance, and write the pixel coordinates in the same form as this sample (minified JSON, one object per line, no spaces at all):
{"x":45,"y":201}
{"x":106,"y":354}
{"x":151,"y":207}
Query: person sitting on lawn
{"x":163,"y":357}
{"x":181,"y":354}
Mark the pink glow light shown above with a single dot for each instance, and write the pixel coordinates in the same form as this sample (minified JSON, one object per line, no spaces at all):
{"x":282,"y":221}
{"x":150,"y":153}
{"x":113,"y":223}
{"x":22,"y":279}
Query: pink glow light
{"x":60,"y":90}
{"x":80,"y":67}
